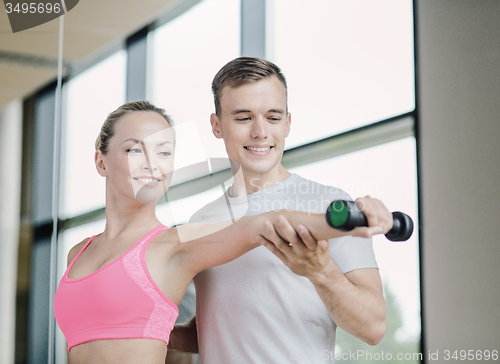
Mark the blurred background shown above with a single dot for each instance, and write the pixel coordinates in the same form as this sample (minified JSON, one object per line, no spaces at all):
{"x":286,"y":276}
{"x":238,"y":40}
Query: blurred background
{"x":393,"y":98}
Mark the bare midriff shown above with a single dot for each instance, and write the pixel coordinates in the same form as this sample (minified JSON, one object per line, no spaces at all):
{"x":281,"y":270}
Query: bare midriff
{"x":119,"y":351}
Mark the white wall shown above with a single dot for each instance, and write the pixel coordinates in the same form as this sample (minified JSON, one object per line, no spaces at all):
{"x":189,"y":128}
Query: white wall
{"x":10,"y":189}
{"x":459,"y":59}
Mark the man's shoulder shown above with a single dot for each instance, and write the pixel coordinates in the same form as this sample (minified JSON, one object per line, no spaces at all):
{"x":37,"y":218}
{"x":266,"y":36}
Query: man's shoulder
{"x":203,"y":214}
{"x":309,"y":189}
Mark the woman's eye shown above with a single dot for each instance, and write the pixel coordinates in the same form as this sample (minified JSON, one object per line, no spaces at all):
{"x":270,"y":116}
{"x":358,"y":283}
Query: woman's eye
{"x":134,"y":150}
{"x":165,"y":154}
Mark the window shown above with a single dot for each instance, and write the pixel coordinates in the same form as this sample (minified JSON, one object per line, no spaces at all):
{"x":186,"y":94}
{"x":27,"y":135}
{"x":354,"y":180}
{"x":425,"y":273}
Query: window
{"x":189,"y":51}
{"x":90,"y":97}
{"x":347,"y":63}
{"x":388,"y":172}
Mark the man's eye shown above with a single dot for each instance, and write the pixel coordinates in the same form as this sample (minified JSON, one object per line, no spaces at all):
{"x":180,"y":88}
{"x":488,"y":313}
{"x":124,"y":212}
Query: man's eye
{"x":243,"y":119}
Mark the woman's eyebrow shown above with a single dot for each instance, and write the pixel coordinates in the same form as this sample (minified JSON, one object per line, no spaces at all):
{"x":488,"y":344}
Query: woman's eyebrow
{"x":132,"y":139}
{"x":140,"y":141}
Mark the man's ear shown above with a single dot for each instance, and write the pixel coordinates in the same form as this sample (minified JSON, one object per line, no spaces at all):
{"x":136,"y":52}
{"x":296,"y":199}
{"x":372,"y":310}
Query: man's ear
{"x":288,"y":122}
{"x":100,"y":164}
{"x":216,"y":127}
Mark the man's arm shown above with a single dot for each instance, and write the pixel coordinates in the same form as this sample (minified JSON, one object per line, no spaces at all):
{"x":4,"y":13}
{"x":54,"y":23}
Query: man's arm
{"x":354,"y":300}
{"x":184,"y":337}
{"x":229,"y":241}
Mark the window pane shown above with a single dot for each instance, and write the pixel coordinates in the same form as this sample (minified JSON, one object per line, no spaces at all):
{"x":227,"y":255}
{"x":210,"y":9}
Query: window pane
{"x":387,"y":172}
{"x":91,"y":96}
{"x":180,"y":211}
{"x":347,"y":63}
{"x":189,"y":51}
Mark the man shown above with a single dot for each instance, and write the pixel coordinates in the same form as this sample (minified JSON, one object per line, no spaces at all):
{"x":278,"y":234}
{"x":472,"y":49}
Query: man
{"x":281,"y":307}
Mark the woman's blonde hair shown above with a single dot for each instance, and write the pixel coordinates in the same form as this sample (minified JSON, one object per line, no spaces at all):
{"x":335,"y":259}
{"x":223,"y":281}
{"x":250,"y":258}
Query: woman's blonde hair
{"x":108,"y":128}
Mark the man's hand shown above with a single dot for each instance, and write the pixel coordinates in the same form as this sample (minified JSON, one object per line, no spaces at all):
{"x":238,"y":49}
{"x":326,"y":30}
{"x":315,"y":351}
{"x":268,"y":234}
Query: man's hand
{"x":303,"y":254}
{"x":297,"y":248}
{"x":354,"y":300}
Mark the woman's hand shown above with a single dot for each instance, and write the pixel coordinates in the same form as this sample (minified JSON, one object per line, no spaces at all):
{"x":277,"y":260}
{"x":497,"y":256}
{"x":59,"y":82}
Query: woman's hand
{"x":378,"y":216}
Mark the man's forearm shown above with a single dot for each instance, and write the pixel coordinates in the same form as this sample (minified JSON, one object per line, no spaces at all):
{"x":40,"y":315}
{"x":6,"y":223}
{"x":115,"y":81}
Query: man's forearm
{"x":354,"y":300}
{"x":358,"y":308}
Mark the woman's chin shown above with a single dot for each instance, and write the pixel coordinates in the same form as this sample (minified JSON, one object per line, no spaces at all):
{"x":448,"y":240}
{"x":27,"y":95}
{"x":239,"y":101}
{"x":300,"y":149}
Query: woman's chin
{"x":149,"y":195}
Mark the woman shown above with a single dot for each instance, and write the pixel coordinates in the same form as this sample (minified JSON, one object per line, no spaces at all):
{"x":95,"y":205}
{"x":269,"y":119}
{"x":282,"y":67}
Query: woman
{"x":117,"y":301}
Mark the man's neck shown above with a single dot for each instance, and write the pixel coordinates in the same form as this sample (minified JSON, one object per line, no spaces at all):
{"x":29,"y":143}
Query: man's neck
{"x":246,"y":183}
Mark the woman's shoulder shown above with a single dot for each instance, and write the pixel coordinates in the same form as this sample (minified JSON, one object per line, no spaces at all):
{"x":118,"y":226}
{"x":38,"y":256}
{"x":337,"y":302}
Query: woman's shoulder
{"x":166,"y":240}
{"x":172,"y":241}
{"x":169,"y":235}
{"x":74,"y":251}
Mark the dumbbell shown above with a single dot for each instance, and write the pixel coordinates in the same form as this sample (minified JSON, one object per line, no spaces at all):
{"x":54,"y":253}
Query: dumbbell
{"x":346,"y":215}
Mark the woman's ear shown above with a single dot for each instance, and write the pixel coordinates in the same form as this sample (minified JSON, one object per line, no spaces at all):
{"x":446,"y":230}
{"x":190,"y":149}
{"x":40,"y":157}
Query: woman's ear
{"x":100,"y":163}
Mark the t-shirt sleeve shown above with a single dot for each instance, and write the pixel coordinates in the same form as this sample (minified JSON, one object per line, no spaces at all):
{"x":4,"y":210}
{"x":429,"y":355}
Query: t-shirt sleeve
{"x":350,"y":253}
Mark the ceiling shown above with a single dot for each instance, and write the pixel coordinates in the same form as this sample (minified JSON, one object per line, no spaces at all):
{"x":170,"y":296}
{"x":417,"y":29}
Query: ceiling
{"x":28,"y":59}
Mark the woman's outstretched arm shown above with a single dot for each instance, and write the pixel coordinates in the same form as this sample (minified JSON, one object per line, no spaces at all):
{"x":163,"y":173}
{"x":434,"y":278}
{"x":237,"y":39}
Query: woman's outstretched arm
{"x":207,"y":245}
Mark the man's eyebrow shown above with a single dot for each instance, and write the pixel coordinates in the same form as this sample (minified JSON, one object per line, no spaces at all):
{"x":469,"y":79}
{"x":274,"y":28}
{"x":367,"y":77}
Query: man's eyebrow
{"x":277,"y":111}
{"x":239,"y":111}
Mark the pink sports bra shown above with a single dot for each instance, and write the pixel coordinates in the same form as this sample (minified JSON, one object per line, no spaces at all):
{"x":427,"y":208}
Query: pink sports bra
{"x":118,"y":301}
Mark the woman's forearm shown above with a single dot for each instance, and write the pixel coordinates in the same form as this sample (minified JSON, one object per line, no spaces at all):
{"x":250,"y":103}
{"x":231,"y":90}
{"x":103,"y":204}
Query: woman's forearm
{"x":315,"y":223}
{"x":379,"y":220}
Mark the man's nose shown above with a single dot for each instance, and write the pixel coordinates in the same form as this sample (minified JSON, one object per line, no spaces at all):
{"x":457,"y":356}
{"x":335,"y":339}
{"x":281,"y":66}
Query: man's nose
{"x":259,"y":128}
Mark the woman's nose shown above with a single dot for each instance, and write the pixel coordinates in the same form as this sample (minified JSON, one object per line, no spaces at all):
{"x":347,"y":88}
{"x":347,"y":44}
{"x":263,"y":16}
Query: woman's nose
{"x":149,"y":161}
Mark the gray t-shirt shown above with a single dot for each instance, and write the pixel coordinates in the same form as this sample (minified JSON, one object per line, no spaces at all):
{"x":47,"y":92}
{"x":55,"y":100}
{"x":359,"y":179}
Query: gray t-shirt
{"x":255,"y":309}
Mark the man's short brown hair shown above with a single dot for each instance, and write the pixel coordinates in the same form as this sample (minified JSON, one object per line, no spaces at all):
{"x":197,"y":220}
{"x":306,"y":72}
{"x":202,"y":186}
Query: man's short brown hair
{"x":241,"y":71}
